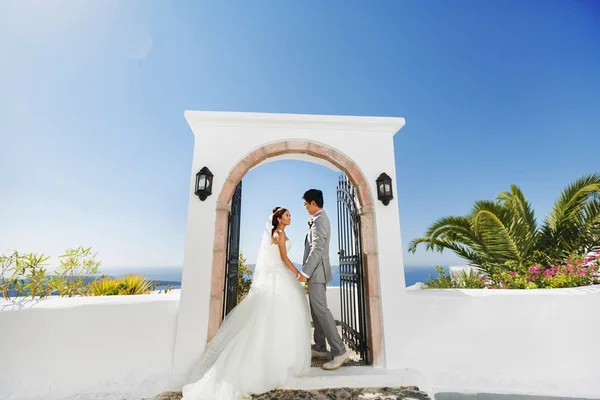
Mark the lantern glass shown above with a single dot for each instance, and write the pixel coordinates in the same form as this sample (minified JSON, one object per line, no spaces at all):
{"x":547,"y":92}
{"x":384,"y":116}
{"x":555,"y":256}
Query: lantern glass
{"x":385,"y":188}
{"x":201,"y":185}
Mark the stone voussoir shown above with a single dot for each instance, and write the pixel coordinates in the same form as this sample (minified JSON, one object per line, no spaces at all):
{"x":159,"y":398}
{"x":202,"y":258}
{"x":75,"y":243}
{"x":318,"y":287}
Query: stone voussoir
{"x":297,"y":146}
{"x":318,"y":150}
{"x":275,"y":149}
{"x":255,"y":157}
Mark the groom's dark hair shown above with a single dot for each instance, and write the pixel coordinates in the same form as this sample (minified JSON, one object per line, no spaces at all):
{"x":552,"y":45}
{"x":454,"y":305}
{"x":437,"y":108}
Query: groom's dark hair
{"x":314,"y":195}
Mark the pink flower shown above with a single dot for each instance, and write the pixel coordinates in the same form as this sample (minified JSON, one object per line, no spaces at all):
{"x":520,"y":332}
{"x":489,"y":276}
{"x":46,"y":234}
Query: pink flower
{"x":535,"y":269}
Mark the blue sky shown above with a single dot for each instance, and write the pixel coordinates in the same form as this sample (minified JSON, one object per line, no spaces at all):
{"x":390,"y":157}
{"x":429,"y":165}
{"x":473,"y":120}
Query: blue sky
{"x":282,"y":183}
{"x":95,"y":150}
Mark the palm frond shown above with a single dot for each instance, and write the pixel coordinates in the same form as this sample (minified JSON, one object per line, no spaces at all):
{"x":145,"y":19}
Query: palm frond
{"x":522,"y":210}
{"x":523,"y":223}
{"x":504,"y":232}
{"x":572,"y":199}
{"x":562,"y":231}
{"x":491,"y":221}
{"x":590,"y":233}
{"x":453,"y":233}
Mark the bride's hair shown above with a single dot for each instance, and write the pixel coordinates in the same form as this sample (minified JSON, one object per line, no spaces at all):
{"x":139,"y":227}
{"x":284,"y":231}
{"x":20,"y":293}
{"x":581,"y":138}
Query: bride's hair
{"x":277,"y":213}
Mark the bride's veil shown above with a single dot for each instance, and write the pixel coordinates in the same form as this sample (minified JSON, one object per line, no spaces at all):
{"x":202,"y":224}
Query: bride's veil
{"x":262,"y":260}
{"x":229,"y":330}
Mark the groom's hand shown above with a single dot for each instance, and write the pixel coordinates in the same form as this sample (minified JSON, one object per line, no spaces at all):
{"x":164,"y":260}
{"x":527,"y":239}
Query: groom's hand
{"x":302,"y":278}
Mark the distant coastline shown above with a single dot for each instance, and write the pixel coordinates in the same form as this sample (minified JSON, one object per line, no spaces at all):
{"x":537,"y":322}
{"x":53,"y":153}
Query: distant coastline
{"x":172,"y":275}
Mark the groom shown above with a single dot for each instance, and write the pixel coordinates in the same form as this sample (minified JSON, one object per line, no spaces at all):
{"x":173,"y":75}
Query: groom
{"x":316,"y":270}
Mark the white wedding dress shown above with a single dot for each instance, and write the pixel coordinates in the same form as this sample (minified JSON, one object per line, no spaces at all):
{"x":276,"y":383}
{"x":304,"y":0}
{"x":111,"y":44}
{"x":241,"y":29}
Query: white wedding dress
{"x":263,"y":342}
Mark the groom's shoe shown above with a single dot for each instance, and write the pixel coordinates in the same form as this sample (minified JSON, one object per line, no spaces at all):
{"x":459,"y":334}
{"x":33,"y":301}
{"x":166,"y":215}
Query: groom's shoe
{"x":336,"y":362}
{"x":320,"y":354}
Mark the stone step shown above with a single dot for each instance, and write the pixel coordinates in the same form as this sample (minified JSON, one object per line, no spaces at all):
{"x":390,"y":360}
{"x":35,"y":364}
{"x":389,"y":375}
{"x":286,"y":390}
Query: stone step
{"x":387,"y":393}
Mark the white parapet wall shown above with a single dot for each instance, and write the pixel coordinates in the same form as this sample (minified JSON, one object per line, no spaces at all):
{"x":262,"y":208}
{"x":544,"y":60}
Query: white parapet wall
{"x":58,"y":347}
{"x":495,"y":341}
{"x":119,"y":347}
{"x":499,"y":341}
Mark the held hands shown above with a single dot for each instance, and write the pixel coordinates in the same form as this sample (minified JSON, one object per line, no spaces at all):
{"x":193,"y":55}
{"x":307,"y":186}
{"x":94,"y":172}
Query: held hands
{"x":301,"y":278}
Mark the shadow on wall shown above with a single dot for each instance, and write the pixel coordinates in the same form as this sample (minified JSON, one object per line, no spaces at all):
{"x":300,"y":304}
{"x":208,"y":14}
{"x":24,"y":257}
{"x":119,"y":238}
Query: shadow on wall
{"x":493,"y":396}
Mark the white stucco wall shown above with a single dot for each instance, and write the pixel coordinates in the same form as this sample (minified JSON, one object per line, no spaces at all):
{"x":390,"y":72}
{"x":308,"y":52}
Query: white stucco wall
{"x":504,"y":341}
{"x":222,"y":140}
{"x":495,"y":341}
{"x":334,"y":302}
{"x":59,"y":347}
{"x":111,"y":347}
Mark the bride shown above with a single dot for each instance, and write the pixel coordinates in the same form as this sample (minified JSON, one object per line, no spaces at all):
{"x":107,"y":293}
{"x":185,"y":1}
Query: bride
{"x":265,"y":340}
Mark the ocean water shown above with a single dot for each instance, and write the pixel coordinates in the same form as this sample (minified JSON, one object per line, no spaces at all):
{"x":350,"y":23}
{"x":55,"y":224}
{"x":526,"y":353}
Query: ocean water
{"x":172,"y":275}
{"x":413,"y":275}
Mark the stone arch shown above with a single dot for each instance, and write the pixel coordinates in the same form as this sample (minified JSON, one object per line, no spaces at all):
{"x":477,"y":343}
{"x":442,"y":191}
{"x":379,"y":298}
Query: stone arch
{"x":369,"y":242}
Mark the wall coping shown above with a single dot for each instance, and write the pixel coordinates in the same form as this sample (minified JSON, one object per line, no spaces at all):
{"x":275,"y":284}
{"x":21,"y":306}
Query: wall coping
{"x":55,"y":302}
{"x":385,"y":125}
{"x":576,"y":291}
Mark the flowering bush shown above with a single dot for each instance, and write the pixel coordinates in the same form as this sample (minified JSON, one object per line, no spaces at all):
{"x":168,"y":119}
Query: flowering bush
{"x":573,"y":272}
{"x":472,"y":279}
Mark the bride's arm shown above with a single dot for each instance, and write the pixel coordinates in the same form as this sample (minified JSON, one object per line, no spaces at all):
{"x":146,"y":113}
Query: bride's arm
{"x":283,"y":252}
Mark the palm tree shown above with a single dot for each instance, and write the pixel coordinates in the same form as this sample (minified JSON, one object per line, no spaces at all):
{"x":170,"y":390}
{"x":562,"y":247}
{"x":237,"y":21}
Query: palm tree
{"x":504,"y":233}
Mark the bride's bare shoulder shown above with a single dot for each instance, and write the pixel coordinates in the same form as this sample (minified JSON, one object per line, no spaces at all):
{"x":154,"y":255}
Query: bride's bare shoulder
{"x":278,"y":235}
{"x":275,"y":237}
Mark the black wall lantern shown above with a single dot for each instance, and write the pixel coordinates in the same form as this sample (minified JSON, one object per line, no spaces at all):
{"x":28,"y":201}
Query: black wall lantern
{"x":384,"y":188}
{"x":204,"y":182}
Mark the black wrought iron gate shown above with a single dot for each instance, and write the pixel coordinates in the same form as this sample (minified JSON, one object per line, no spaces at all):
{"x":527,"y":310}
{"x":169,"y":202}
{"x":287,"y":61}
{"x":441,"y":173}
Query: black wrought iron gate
{"x":352,"y":284}
{"x":233,"y":252}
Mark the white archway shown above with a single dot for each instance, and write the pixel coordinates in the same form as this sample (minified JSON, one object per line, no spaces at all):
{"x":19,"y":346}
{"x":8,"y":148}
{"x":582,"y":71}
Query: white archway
{"x":230,"y":144}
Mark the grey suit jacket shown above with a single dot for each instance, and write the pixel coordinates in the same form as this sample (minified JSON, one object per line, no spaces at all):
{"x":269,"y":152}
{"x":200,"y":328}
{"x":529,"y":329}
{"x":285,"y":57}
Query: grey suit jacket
{"x":316,"y":262}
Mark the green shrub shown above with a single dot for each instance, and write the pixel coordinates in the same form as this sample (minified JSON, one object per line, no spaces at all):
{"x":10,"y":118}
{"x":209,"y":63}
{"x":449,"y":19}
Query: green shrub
{"x":104,"y":287}
{"x":472,"y":279}
{"x":244,"y":278}
{"x":125,"y":285}
{"x":443,"y":281}
{"x":9,"y":274}
{"x":73,"y":274}
{"x":37,"y":282}
{"x":24,"y":274}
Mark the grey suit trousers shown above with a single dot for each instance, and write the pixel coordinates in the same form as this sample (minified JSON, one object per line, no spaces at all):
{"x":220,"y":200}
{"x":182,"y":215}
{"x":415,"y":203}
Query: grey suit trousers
{"x":323,"y":320}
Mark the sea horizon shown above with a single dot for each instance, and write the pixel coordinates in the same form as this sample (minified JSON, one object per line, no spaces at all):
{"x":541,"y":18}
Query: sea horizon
{"x":171,"y":275}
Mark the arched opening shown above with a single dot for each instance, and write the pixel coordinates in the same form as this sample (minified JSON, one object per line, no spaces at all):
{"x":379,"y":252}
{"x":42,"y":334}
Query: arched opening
{"x":365,"y":210}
